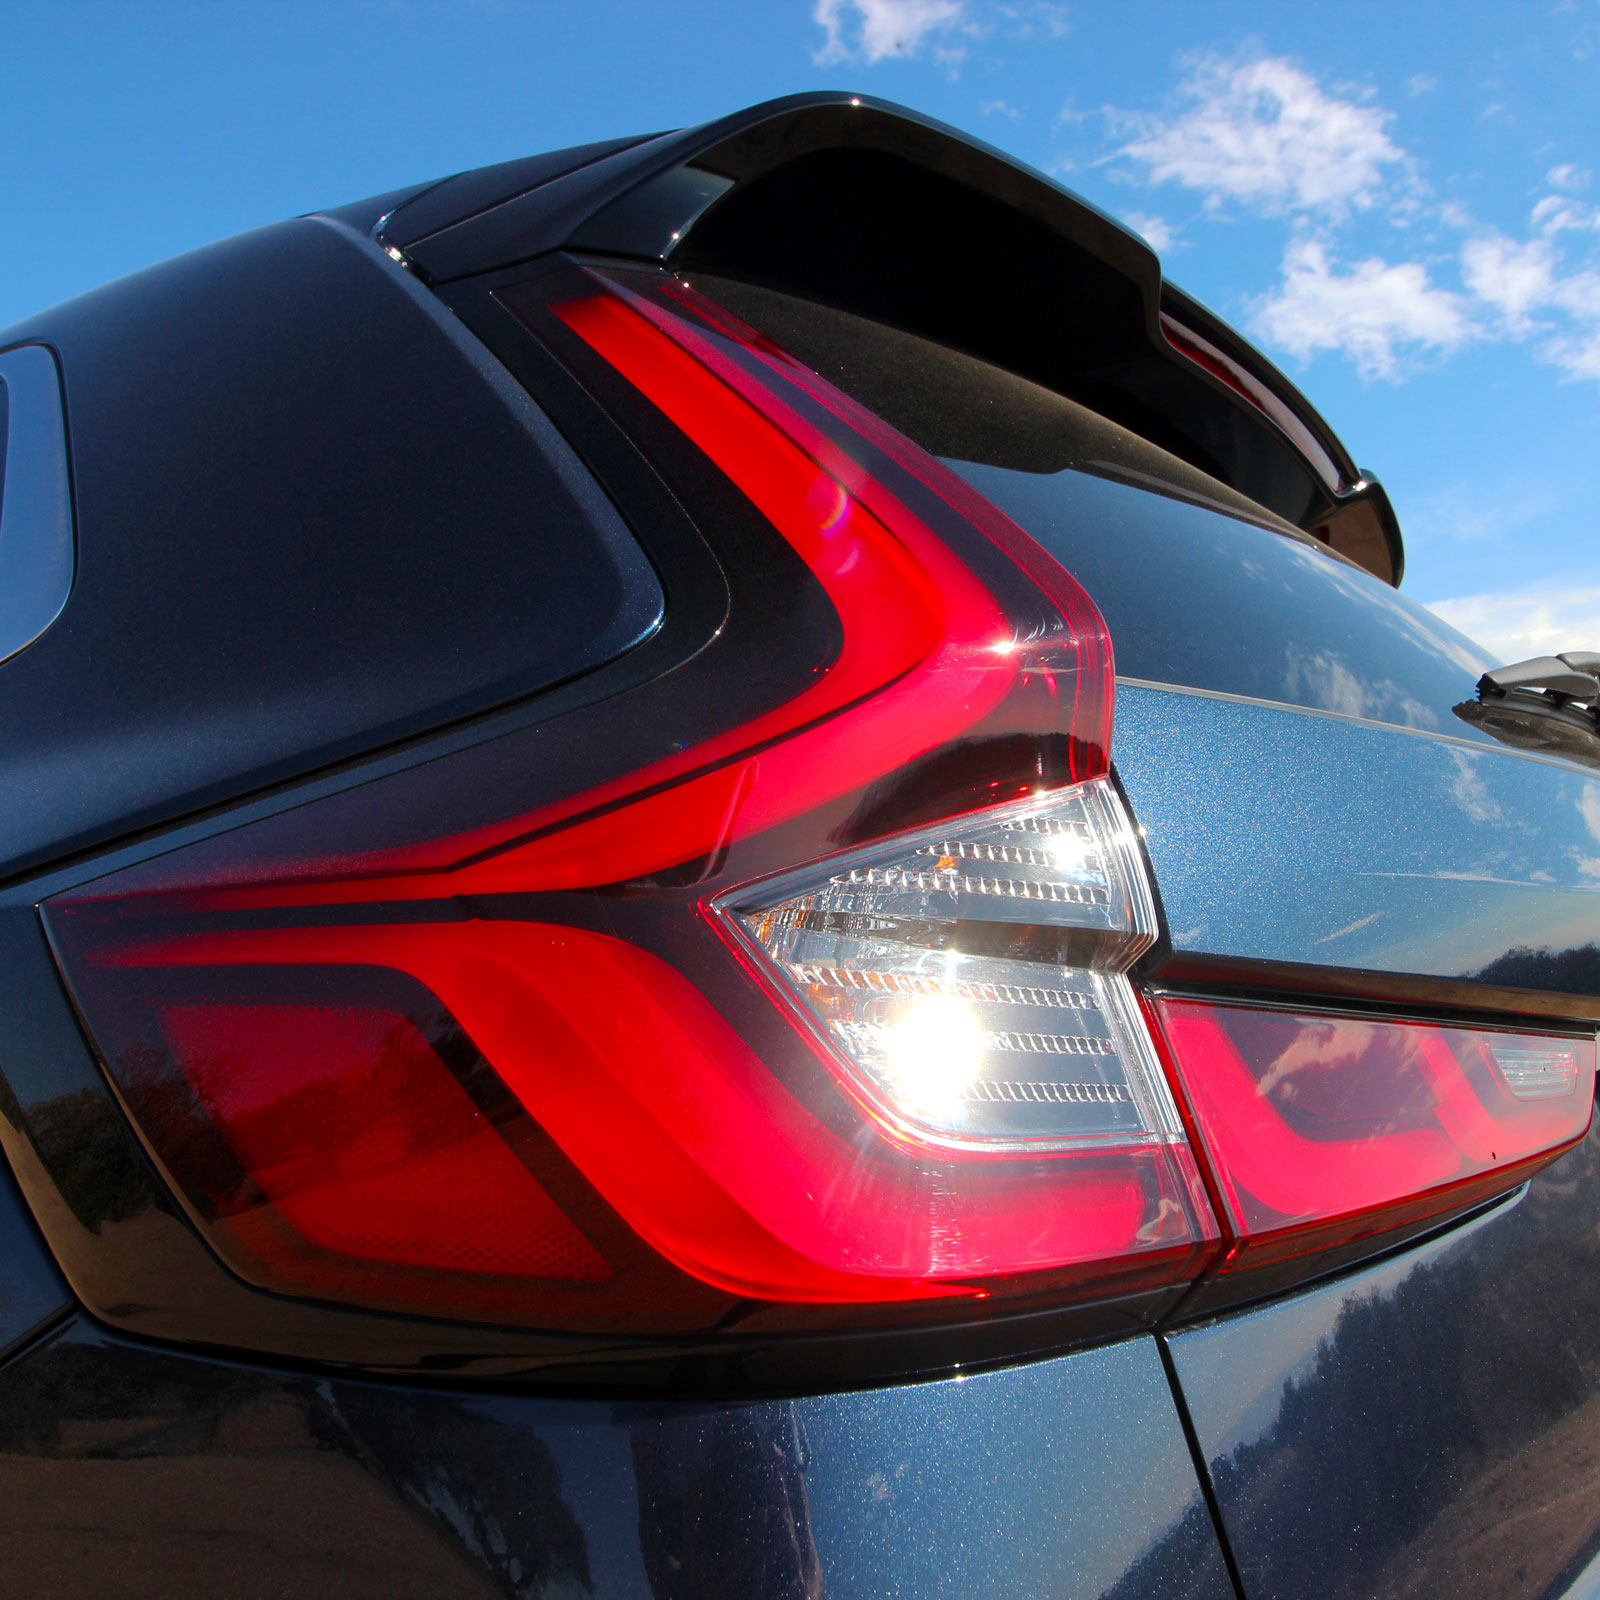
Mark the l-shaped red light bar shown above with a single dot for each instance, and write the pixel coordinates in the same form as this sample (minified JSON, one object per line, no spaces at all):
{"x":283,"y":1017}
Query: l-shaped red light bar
{"x":345,"y":1147}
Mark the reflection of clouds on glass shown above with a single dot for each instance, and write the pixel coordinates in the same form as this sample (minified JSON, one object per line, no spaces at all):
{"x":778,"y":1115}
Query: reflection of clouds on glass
{"x":1589,"y":810}
{"x":1326,"y":681}
{"x":1413,"y":712}
{"x":1470,"y":792}
{"x":1417,"y":626}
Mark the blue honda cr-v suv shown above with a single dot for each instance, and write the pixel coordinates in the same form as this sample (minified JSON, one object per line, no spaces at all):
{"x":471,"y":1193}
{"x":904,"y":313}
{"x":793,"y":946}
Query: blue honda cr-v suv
{"x":728,"y":874}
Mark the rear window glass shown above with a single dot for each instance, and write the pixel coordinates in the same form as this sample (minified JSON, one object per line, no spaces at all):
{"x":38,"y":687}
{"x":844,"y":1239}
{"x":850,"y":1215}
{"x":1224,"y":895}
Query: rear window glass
{"x":1201,"y":587}
{"x":1209,"y":602}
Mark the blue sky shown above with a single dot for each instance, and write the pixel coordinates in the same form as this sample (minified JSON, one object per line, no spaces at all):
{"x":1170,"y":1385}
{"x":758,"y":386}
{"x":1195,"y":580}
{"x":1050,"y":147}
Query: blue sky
{"x":1400,"y":202}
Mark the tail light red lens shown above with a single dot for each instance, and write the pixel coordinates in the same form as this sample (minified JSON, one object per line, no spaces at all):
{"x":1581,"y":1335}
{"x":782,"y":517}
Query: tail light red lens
{"x":322,"y":1124}
{"x":630,"y":1061}
{"x":645,"y":1088}
{"x":824,"y":1004}
{"x":1323,"y":1129}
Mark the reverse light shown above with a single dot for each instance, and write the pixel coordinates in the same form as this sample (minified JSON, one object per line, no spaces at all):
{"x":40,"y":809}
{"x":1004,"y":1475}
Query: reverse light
{"x":969,"y":979}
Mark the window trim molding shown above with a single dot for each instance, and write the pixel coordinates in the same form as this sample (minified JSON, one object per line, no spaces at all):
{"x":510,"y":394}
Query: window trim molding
{"x":38,"y":557}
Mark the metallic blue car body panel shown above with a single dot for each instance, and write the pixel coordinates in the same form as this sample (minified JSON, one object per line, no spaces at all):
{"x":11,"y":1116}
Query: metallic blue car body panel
{"x":1428,"y":1427}
{"x":184,"y":1475}
{"x":1289,"y":835}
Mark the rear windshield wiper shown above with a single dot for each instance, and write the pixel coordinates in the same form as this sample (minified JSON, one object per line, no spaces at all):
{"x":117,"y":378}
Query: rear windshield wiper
{"x":1547,"y":703}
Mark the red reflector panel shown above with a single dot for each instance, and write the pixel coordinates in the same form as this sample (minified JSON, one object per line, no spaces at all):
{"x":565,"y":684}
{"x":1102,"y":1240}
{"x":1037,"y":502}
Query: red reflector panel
{"x":1323,"y":1128}
{"x":367,"y":1146}
{"x":326,"y":1128}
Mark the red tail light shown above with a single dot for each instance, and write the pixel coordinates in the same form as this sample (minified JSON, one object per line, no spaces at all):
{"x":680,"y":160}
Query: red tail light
{"x":342,"y":1112}
{"x":664,"y":1073}
{"x":824,"y":1002}
{"x":1323,"y":1129}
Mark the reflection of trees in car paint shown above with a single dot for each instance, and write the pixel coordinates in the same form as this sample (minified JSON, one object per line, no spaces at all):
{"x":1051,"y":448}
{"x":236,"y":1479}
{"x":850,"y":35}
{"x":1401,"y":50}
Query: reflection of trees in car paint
{"x":1183,"y":1565}
{"x":1575,"y":970}
{"x":82,"y":1138}
{"x":723,"y":1513}
{"x":1486,"y":1489}
{"x":131,"y":1472}
{"x":494,"y":1491}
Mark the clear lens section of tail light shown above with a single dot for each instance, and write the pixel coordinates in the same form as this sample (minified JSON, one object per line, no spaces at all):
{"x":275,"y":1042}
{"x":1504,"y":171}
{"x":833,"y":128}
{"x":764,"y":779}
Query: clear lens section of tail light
{"x":968,"y":978}
{"x":1548,"y":1074}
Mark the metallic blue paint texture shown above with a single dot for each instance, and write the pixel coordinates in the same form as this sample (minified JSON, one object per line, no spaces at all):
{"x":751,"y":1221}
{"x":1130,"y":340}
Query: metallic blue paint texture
{"x":1428,"y":855}
{"x":1067,"y":1478}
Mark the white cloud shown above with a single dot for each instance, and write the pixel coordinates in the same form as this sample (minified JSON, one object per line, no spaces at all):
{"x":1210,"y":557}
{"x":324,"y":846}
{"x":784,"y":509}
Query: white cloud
{"x":1517,"y":279}
{"x":1265,"y":134}
{"x":1420,"y":83}
{"x":1513,"y":278}
{"x":1000,"y":108}
{"x":1577,"y":354}
{"x":1376,"y":313}
{"x":1557,"y":214}
{"x":1542,"y":619}
{"x":1157,"y":233}
{"x":869,"y":30}
{"x":1037,"y":18}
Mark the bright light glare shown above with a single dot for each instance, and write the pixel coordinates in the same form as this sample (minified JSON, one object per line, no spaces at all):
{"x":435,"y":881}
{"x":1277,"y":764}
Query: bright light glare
{"x":935,"y":1051}
{"x":1071,"y":852}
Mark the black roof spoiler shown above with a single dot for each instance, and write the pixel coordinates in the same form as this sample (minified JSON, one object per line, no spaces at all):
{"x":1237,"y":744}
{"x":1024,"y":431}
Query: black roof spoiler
{"x":883,"y":211}
{"x":1358,"y":521}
